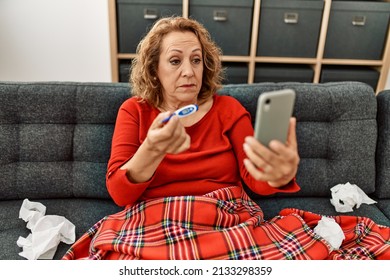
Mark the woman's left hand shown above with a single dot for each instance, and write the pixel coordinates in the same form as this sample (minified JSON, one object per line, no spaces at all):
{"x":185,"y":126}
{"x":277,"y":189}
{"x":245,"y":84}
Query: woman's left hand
{"x":276,"y":164}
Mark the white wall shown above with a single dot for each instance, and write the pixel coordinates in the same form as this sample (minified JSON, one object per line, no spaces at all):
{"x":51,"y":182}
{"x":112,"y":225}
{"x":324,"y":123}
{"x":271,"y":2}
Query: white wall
{"x":54,"y":40}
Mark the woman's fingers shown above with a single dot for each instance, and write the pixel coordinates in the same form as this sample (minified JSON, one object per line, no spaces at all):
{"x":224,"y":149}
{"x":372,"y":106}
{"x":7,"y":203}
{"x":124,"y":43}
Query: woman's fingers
{"x":276,"y":164}
{"x":170,"y":137}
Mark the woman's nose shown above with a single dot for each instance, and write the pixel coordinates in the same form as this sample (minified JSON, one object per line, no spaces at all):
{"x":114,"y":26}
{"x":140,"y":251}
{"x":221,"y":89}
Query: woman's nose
{"x":187,"y":70}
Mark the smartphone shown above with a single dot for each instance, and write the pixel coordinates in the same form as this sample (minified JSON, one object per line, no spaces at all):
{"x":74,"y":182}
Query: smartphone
{"x":274,"y":110}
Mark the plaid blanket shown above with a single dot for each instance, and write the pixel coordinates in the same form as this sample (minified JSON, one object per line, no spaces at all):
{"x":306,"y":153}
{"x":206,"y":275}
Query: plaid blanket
{"x":225,"y":224}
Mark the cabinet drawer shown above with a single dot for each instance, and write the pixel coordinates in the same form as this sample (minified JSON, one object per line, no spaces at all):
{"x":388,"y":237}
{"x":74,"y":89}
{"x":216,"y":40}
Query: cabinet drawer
{"x":235,"y":73}
{"x":362,"y":74}
{"x":357,"y":30}
{"x":135,"y":17}
{"x":283,"y":73}
{"x":289,"y":28}
{"x":229,"y":23}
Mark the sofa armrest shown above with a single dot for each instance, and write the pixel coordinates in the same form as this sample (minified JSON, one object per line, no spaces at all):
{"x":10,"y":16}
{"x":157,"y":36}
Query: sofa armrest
{"x":383,"y":146}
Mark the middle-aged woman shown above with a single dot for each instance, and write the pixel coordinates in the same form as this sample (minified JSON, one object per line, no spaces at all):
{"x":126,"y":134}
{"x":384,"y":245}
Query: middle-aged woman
{"x":181,"y":180}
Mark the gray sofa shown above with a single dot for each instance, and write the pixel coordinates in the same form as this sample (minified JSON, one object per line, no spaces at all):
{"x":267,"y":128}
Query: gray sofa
{"x":55,"y":143}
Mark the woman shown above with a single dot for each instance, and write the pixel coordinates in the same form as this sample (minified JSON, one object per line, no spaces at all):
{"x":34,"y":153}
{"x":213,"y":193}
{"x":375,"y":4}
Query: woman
{"x":180,"y":181}
{"x":178,"y":65}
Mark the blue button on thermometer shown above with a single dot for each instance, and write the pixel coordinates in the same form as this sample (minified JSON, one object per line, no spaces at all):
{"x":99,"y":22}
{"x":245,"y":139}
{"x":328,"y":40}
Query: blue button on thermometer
{"x":182,"y":112}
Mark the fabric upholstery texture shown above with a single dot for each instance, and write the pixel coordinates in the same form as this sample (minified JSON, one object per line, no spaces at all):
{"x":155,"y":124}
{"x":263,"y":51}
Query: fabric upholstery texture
{"x":56,"y":139}
{"x":383,"y":148}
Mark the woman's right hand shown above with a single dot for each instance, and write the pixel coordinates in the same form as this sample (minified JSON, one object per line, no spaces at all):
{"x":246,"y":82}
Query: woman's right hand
{"x":161,"y":139}
{"x":167,"y":138}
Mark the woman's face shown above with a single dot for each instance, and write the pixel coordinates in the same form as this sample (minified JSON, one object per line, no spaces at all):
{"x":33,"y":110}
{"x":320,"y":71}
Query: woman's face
{"x":180,"y":68}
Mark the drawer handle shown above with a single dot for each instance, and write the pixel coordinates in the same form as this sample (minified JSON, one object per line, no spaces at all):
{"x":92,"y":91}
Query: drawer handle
{"x":291,"y":18}
{"x":359,"y":20}
{"x":150,"y":13}
{"x":220,"y":15}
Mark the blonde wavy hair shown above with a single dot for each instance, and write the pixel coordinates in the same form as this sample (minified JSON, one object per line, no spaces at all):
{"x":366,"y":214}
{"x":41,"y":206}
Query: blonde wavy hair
{"x":144,"y":66}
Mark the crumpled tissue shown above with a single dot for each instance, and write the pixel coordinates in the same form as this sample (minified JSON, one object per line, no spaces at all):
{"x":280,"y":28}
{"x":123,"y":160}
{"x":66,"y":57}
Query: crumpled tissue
{"x":331,"y":231}
{"x":346,"y":196}
{"x":46,"y":231}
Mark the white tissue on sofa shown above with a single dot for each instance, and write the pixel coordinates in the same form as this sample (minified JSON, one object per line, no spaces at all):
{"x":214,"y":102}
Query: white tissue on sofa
{"x":346,"y":196}
{"x":46,"y":231}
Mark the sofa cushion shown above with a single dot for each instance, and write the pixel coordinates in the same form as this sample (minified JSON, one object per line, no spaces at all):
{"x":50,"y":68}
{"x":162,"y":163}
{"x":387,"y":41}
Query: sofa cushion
{"x":56,"y":138}
{"x":336,"y":132}
{"x":384,"y":206}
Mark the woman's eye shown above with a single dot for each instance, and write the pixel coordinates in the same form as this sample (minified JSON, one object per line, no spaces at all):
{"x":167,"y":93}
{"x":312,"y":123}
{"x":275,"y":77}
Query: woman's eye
{"x":196,"y":60}
{"x":174,"y":61}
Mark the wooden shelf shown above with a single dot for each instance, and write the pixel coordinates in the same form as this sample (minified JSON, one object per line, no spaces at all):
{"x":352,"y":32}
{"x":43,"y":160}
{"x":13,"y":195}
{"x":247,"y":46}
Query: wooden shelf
{"x":126,"y":55}
{"x":316,"y":63}
{"x":288,"y":60}
{"x":352,"y":62}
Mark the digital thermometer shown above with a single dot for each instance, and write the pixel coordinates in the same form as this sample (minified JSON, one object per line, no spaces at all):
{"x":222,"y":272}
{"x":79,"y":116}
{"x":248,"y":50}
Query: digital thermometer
{"x":182,"y":112}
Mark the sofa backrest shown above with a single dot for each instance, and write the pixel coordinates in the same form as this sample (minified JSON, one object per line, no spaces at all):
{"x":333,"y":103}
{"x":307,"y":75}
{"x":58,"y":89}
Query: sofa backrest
{"x":383,"y":146}
{"x":56,"y":137}
{"x":336,"y":131}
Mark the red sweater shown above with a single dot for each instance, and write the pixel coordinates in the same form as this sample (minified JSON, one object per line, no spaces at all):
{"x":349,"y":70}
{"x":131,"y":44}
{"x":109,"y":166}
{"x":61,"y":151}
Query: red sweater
{"x":214,"y":160}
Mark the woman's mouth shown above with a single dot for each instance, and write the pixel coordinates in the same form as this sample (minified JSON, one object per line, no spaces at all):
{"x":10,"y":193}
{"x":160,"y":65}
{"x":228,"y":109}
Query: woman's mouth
{"x":187,"y":85}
